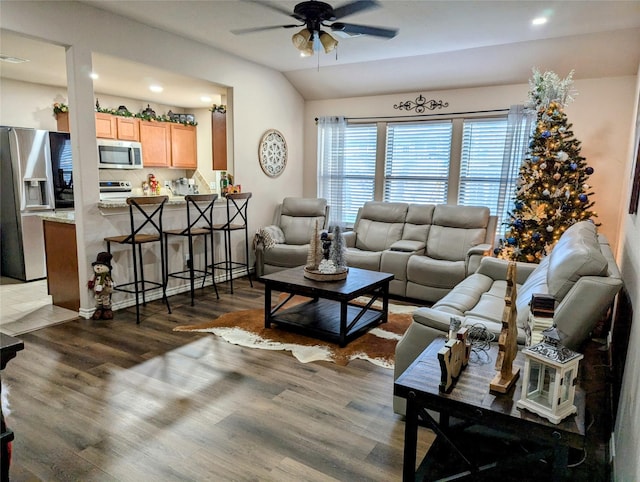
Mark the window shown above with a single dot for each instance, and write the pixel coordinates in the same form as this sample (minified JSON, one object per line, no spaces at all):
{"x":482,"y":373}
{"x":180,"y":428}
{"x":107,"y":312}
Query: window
{"x":417,"y":162}
{"x":346,"y":169}
{"x":469,"y":160}
{"x":481,"y":162}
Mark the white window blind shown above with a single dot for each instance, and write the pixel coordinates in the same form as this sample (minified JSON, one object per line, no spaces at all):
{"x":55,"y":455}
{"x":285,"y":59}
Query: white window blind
{"x":481,"y":166}
{"x":346,"y":176}
{"x":417,"y":162}
{"x":360,"y":168}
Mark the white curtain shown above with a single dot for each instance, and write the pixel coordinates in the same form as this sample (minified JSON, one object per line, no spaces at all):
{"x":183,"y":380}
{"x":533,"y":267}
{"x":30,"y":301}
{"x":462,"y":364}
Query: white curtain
{"x":520,"y":122}
{"x":331,"y":140}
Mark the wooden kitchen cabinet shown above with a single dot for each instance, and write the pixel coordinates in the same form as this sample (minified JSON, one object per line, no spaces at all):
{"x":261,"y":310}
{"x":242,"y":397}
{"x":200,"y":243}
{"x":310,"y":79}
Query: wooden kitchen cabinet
{"x":61,"y":252}
{"x":106,"y":126}
{"x":63,"y":121}
{"x":219,"y":140}
{"x":184,"y":147}
{"x":155,"y":138}
{"x":128,"y":128}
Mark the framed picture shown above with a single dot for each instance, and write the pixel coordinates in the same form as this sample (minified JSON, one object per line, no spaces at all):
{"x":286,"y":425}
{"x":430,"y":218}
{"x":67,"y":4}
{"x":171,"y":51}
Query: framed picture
{"x":183,"y":118}
{"x":191,"y":118}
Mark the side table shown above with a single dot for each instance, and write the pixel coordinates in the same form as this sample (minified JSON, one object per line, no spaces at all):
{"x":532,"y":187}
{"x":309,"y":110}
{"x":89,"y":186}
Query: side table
{"x":473,"y":404}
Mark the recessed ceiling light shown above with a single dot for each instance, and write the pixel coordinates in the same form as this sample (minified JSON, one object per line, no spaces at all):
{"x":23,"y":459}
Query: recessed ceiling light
{"x":205,"y":98}
{"x":156,"y":88}
{"x":94,"y":76}
{"x":12,"y":60}
{"x":539,"y":21}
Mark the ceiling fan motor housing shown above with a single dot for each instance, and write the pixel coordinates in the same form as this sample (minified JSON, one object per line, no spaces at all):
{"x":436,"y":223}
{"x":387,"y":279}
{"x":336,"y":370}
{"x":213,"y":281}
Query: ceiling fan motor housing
{"x":313,"y":14}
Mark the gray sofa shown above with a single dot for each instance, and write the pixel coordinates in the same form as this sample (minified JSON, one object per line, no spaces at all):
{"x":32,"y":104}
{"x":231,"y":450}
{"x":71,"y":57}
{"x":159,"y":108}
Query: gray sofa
{"x":580,"y":273}
{"x":293,"y":225}
{"x":428,"y":248}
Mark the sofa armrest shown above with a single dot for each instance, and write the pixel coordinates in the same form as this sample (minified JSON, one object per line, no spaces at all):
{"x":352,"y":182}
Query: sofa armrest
{"x":583,"y":306}
{"x":496,"y":268}
{"x":349,"y":238}
{"x":473,"y":257}
{"x":408,"y":246}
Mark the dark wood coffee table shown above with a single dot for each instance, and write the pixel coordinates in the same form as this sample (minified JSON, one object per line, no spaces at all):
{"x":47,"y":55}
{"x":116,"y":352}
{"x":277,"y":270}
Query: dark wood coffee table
{"x":329,"y":315}
{"x":495,"y":417}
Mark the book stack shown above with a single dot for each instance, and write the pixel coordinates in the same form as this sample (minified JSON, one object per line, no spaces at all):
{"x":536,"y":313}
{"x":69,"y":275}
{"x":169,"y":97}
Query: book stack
{"x":540,"y":317}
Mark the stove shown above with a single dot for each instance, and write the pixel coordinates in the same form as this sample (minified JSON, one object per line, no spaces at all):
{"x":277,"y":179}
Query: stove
{"x":114,"y":190}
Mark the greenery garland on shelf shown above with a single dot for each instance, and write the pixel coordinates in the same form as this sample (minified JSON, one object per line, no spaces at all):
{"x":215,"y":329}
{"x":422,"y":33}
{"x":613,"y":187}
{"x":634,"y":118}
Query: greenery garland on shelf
{"x":59,"y":108}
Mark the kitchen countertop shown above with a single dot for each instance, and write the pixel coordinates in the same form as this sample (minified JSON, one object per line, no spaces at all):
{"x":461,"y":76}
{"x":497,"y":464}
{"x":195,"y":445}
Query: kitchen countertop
{"x":122,"y":202}
{"x":173,"y":200}
{"x":67,"y":217}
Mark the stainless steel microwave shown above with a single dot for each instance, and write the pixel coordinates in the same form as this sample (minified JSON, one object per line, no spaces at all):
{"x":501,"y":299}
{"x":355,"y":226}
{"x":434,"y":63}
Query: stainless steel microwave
{"x":114,"y":154}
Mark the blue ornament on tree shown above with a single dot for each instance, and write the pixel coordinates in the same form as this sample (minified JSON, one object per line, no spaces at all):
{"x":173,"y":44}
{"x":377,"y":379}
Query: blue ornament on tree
{"x":519,"y":205}
{"x":583,"y":198}
{"x":535,"y":159}
{"x":589,"y":170}
{"x":496,"y":251}
{"x":511,"y":240}
{"x":518,"y":224}
{"x":573,"y":166}
{"x":536,"y":236}
{"x":545,"y":134}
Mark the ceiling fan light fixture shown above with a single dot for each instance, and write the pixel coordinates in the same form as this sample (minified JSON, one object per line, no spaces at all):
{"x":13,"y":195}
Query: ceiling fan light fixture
{"x":328,"y":42}
{"x":301,"y":39}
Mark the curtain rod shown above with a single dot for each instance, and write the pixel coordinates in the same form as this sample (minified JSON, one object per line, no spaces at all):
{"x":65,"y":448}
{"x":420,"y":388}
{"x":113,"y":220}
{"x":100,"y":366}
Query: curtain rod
{"x":492,"y":111}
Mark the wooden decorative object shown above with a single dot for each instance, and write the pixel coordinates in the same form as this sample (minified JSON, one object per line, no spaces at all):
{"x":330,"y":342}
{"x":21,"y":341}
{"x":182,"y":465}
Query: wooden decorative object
{"x":508,"y":341}
{"x":319,"y":276}
{"x":453,"y":358}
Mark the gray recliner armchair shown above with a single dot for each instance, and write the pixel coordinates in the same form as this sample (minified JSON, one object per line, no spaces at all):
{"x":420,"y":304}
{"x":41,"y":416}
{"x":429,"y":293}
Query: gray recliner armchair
{"x":285,"y":243}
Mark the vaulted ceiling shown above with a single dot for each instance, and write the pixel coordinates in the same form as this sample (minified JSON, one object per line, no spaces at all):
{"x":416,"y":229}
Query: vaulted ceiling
{"x":440,"y":44}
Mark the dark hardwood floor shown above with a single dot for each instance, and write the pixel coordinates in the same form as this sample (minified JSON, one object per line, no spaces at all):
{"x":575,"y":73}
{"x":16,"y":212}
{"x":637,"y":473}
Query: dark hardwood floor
{"x":109,"y":400}
{"x":112,"y":400}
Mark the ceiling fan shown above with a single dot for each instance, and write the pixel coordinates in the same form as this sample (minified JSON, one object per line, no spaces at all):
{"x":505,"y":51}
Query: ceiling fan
{"x":313,"y":15}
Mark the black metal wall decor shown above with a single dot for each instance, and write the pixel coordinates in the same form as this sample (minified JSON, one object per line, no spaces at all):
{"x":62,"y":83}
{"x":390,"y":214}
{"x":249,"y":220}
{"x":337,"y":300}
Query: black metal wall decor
{"x":421,"y":104}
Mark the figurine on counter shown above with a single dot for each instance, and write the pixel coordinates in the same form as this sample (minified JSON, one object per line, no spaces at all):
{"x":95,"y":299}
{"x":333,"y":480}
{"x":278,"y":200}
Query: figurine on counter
{"x":154,"y":185}
{"x":102,"y":285}
{"x":145,"y":188}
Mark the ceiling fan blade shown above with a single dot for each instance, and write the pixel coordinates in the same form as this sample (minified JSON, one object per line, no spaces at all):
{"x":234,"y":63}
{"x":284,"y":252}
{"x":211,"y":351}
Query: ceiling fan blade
{"x":354,"y":7}
{"x":272,"y":6}
{"x":242,"y":31}
{"x":351,"y":28}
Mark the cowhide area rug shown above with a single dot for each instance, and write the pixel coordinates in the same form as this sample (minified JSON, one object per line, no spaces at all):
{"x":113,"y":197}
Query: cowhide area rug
{"x":246,"y":328}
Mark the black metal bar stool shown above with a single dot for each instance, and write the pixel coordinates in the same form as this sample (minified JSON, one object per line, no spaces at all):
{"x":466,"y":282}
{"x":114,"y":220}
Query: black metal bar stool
{"x":199,"y":224}
{"x":146,"y":227}
{"x":237,"y":204}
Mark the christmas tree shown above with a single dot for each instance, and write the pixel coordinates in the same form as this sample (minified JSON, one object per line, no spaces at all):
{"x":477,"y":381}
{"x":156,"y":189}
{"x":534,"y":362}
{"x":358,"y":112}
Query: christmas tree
{"x":551,"y":192}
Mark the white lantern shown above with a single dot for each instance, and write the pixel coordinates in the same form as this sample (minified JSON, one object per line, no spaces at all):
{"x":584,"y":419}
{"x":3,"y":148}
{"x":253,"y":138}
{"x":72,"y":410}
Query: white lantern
{"x":550,"y":375}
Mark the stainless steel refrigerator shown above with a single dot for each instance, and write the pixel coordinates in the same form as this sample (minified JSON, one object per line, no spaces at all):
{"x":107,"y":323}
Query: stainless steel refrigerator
{"x":27,"y":191}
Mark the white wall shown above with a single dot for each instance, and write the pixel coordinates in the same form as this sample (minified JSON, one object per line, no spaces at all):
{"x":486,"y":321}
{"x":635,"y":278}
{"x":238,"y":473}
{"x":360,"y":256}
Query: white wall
{"x":261,"y":99}
{"x":627,"y":430}
{"x":601,"y":126}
